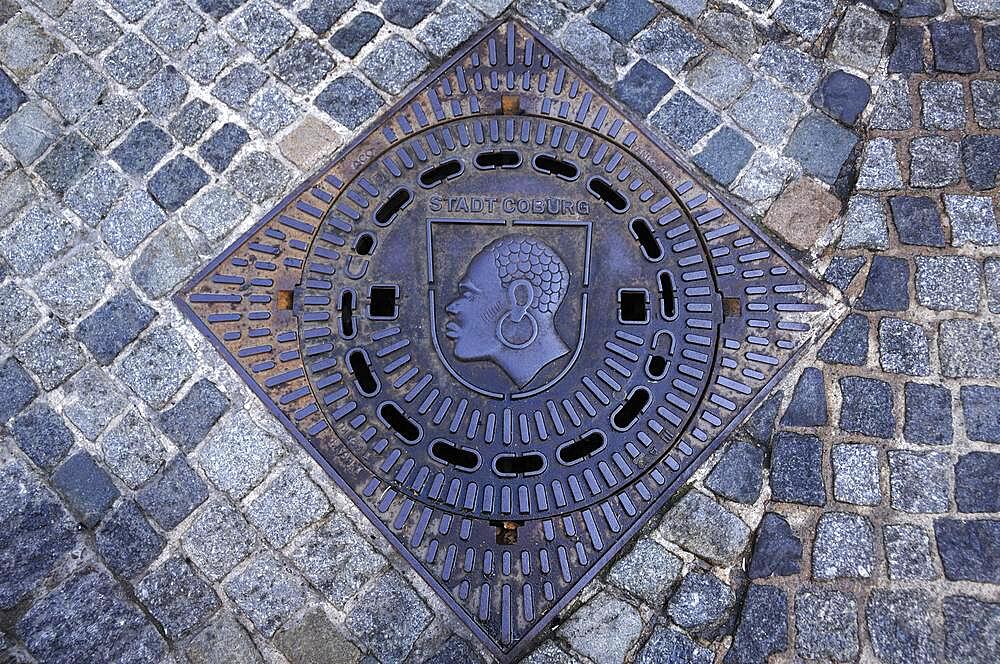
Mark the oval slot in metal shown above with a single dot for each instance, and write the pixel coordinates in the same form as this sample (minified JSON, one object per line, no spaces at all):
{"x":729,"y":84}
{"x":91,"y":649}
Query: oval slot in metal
{"x":549,"y":165}
{"x":446,"y":170}
{"x":399,"y":422}
{"x":577,"y":450}
{"x":511,"y":465}
{"x":648,"y":242}
{"x":361,"y":367}
{"x":347,"y":314}
{"x":399,"y":199}
{"x":629,"y":411}
{"x":462,"y":458}
{"x":612,"y":197}
{"x":498,"y":159}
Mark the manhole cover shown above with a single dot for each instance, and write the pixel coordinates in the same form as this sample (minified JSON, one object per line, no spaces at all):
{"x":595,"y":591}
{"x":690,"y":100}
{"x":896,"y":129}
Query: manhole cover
{"x":509,"y":324}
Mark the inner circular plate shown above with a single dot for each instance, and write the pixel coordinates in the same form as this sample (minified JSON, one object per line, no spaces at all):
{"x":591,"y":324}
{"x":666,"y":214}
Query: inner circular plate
{"x":523,"y":309}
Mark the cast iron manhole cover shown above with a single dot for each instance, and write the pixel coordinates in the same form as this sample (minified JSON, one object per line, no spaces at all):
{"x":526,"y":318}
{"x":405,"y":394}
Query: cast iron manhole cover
{"x":509,"y":324}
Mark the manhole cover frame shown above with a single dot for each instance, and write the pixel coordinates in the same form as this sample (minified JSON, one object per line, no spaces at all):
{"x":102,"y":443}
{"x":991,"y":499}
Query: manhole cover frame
{"x":820,"y":300}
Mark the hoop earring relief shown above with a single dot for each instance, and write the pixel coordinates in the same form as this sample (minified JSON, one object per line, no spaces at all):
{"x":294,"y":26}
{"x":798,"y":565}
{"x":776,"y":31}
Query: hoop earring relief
{"x":510,"y":344}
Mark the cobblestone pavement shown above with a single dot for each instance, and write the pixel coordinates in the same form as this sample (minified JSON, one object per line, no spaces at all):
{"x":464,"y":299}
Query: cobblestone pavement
{"x":855,"y":517}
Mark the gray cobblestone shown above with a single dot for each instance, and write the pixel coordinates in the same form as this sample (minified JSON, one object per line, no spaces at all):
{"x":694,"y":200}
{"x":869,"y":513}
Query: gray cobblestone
{"x":92,"y":197}
{"x":108,"y":120}
{"x":25,"y":46}
{"x":237,"y":455}
{"x":826,"y":625}
{"x":701,"y":602}
{"x":166,"y":260}
{"x":92,"y":401}
{"x":223,"y":640}
{"x":157,"y":365}
{"x":173,"y":26}
{"x":164,"y":93}
{"x":879,"y":166}
{"x":176,"y":597}
{"x":29,"y":132}
{"x":313,"y":638}
{"x":908,"y":552}
{"x":288,"y":503}
{"x":132,"y":450}
{"x":856,"y":474}
{"x":129,"y":222}
{"x":973,"y":220}
{"x":769,"y":121}
{"x":18,"y":313}
{"x":42,"y":436}
{"x":865,"y":224}
{"x":918,"y":481}
{"x":51,"y":354}
{"x":903,"y":347}
{"x":899,"y":626}
{"x":394,"y":64}
{"x":891,"y":109}
{"x":219,"y":539}
{"x":114,"y":325}
{"x":132,"y":61}
{"x":336,"y":559}
{"x":666,"y":42}
{"x":948,"y":282}
{"x":171,"y":497}
{"x":702,"y":526}
{"x":261,"y":28}
{"x":844,"y":547}
{"x":604,"y":629}
{"x":267,"y":592}
{"x":943,"y":104}
{"x":71,"y":85}
{"x":969,"y":349}
{"x":388,"y":617}
{"x":75,"y":284}
{"x":648,"y":571}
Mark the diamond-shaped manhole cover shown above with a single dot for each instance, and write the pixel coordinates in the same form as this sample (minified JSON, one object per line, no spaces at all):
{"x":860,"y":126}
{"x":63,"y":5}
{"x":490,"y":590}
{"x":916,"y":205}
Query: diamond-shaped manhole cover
{"x":509,"y":324}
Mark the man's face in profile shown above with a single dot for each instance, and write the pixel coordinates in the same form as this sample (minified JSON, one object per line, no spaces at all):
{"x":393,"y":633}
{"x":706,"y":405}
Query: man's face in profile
{"x":477,"y":310}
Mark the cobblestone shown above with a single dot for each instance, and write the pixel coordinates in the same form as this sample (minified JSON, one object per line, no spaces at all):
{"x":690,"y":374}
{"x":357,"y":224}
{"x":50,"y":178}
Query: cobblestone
{"x":969,"y":349}
{"x":842,"y":96}
{"x":977,"y":482}
{"x":667,"y":43}
{"x":132,"y":450}
{"x":114,"y":325}
{"x":972,"y":220}
{"x":50,"y":354}
{"x":856,"y":474}
{"x":796,"y":468}
{"x":218,"y":539}
{"x":267,"y":592}
{"x":918,"y":481}
{"x":981,"y":157}
{"x":128,"y":223}
{"x":223,"y":639}
{"x":177,"y":597}
{"x":288,"y":503}
{"x":92,"y":401}
{"x":954,"y":47}
{"x":899,"y":626}
{"x":389,"y":616}
{"x":71,"y":85}
{"x":848,"y":344}
{"x":965,"y":546}
{"x":948,"y":283}
{"x":826,"y":625}
{"x":361,"y":30}
{"x":908,"y":552}
{"x":807,"y":407}
{"x":934,"y":162}
{"x":927,"y":415}
{"x":763,"y":626}
{"x":157,"y":365}
{"x":821,"y":146}
{"x":702,"y":526}
{"x":777,"y":550}
{"x":87,"y":488}
{"x":842,"y":271}
{"x":29,"y":133}
{"x":271,"y":111}
{"x":237,"y":87}
{"x":37,"y":533}
{"x":887,"y":285}
{"x":623,"y":19}
{"x":908,"y":53}
{"x":314,"y":639}
{"x":943,"y":104}
{"x":668,"y":644}
{"x":94,"y":621}
{"x":769,"y":122}
{"x":237,"y":455}
{"x":132,"y":61}
{"x":879,"y":167}
{"x":126,"y":541}
{"x":648,"y":571}
{"x":967,"y":635}
{"x":865,"y":224}
{"x":643,"y":87}
{"x":261,"y":28}
{"x":866,"y":407}
{"x":701,"y":602}
{"x":844,"y":547}
{"x":42,"y":436}
{"x":171,"y":497}
{"x":903,"y":347}
{"x":891,"y":109}
{"x":336,"y":559}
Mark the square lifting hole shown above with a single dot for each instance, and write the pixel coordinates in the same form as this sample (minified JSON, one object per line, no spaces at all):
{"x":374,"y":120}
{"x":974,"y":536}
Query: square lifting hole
{"x":633,"y":306}
{"x":382,"y":302}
